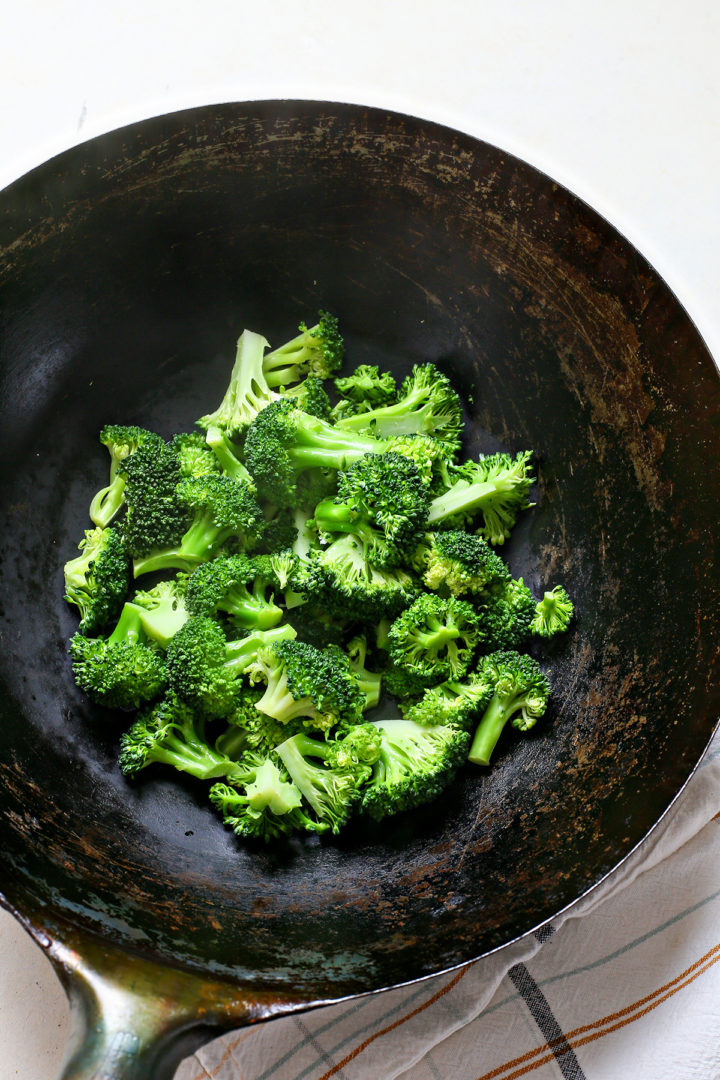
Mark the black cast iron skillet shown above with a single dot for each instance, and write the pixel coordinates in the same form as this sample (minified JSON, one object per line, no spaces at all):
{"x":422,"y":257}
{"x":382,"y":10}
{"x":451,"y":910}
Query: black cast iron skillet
{"x":128,"y":266}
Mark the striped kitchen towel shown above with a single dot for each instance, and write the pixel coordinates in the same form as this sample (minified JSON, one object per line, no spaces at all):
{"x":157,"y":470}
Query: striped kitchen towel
{"x":625,"y":984}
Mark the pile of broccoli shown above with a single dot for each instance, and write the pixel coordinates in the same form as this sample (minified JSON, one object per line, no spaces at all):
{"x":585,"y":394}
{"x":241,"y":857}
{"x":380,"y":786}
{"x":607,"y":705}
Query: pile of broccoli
{"x":255,"y":589}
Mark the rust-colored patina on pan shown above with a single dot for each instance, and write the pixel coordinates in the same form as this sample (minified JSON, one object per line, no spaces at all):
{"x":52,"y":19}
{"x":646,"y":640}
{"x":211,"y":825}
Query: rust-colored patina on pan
{"x":128,"y":266}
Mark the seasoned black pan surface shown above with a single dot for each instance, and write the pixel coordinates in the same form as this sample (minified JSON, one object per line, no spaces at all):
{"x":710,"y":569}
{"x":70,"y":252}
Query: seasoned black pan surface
{"x":128,"y":267}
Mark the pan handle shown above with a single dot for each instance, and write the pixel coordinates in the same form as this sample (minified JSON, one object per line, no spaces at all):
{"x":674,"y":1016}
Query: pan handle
{"x":134,"y":1018}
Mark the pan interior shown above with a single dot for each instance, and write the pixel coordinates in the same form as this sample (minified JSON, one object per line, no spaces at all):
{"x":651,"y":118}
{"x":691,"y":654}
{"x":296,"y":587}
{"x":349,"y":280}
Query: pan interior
{"x":129,"y":267}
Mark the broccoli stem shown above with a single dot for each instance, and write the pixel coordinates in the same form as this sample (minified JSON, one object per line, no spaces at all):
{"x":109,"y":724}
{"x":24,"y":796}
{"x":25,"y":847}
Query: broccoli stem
{"x":280,"y":376}
{"x":490,"y":729}
{"x":335,"y":517}
{"x":403,"y":417}
{"x":197,"y":759}
{"x":129,"y":626}
{"x":293,"y":754}
{"x":199,"y":543}
{"x":240,"y":654}
{"x":227,"y":455}
{"x":318,"y":444}
{"x":278,"y":702}
{"x":232,"y":743}
{"x":108,"y":502}
{"x":463,"y":498}
{"x":437,"y":635}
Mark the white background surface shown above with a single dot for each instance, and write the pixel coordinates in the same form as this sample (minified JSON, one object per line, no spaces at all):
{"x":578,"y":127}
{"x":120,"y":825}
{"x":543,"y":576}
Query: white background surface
{"x":618,"y":101}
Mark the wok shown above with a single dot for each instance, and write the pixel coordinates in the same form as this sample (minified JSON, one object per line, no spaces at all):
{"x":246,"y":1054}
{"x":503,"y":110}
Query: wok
{"x":128,"y":267}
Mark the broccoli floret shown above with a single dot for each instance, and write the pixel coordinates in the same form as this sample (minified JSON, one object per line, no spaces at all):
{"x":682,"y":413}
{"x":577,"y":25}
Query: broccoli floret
{"x":162,"y":609}
{"x":121,"y":441}
{"x":98,"y":581}
{"x":382,"y":501}
{"x":344,"y":407}
{"x":367,"y":385}
{"x":427,"y":405}
{"x":236,"y":586}
{"x":251,"y":730}
{"x":402,"y":684}
{"x":415,"y":764}
{"x":331,"y":789}
{"x":205,"y":669}
{"x":432,"y":457}
{"x":552,"y":614}
{"x":122,"y":671}
{"x":355,"y":747}
{"x":342,"y":579}
{"x":452,"y":702}
{"x":458,"y":563}
{"x":520,"y":695}
{"x":279,"y":534}
{"x":506,"y":613}
{"x":170,"y":733}
{"x":223,"y":509}
{"x":310,"y":396}
{"x":494,"y":488}
{"x":247,"y":392}
{"x":435,"y":637}
{"x":155,"y":518}
{"x":261,"y":803}
{"x":370,"y":682}
{"x":194,"y":455}
{"x":283,"y":441}
{"x":317,"y":351}
{"x":303,"y":681}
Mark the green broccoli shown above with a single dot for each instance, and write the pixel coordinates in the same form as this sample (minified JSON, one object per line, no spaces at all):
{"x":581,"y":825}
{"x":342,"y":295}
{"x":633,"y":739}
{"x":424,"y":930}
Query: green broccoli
{"x":552,"y":614}
{"x":367,"y":386}
{"x":382,"y":501}
{"x":248,"y":729}
{"x":453,"y":702}
{"x":194,"y":456}
{"x":415,"y":764}
{"x":506,"y":610}
{"x":427,"y":405}
{"x":155,"y":518}
{"x":332,"y":789}
{"x":205,"y":669}
{"x":227,"y":455}
{"x":459,"y":563}
{"x":432,"y":457}
{"x":170,"y":733}
{"x":317,"y":351}
{"x":494,"y":488}
{"x":121,"y":441}
{"x":402,"y":684}
{"x":237,"y":586}
{"x":161,"y":610}
{"x":520,"y":695}
{"x":224,"y":509}
{"x":370,"y":682}
{"x":247,"y":392}
{"x":261,"y":803}
{"x":282,"y":442}
{"x":310,"y":396}
{"x":98,"y":580}
{"x":435,"y":638}
{"x":341,"y":579}
{"x":303,"y":681}
{"x":122,"y":671}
